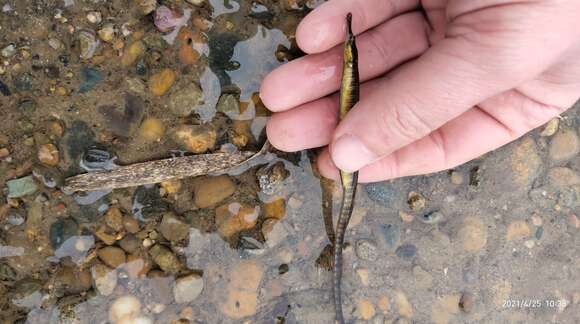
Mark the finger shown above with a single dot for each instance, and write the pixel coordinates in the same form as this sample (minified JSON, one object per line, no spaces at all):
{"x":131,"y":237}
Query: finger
{"x":309,"y":125}
{"x":318,"y":75}
{"x":459,"y":72}
{"x":496,"y":122}
{"x":325,"y":27}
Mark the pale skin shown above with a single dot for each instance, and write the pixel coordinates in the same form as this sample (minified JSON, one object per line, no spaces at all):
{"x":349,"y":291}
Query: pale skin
{"x":439,"y":89}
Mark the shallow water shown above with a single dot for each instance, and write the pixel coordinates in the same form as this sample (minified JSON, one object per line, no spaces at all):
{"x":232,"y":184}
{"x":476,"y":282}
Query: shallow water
{"x":493,"y":241}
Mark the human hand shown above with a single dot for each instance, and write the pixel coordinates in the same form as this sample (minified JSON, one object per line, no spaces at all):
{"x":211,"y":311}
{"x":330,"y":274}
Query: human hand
{"x":438,"y":90}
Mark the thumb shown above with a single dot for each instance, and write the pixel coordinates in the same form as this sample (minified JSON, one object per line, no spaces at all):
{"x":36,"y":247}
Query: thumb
{"x":460,"y":71}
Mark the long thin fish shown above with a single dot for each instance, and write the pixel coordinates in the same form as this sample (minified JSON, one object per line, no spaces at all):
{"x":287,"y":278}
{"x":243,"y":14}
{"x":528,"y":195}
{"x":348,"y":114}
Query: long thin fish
{"x":349,"y":95}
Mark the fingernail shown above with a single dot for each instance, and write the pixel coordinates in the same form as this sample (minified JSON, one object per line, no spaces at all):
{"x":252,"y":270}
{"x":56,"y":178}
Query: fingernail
{"x":350,"y":154}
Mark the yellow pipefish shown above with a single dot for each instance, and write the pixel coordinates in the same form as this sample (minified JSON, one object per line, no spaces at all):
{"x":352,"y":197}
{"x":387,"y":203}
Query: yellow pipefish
{"x":349,"y":95}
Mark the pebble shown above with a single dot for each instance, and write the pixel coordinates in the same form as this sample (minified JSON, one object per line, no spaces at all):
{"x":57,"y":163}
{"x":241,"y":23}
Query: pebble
{"x":8,"y":51}
{"x":88,"y":44}
{"x":518,"y":230}
{"x":161,"y":82}
{"x":48,"y":155}
{"x":152,"y":129}
{"x":473,"y":234}
{"x":433,"y":217}
{"x":59,"y":231}
{"x":209,"y":191}
{"x":406,"y":217}
{"x":171,"y":187}
{"x":89,"y":79}
{"x":404,"y":308}
{"x":388,"y":235}
{"x":188,"y":288}
{"x":234,"y":218}
{"x":529,"y":244}
{"x":127,"y":306}
{"x":71,"y":280}
{"x":23,"y":82}
{"x":574,"y":221}
{"x":551,"y":127}
{"x":383,"y":193}
{"x":114,"y":218}
{"x":94,"y":17}
{"x":4,"y":90}
{"x":182,"y":101}
{"x":536,"y":220}
{"x":130,"y":224}
{"x":229,"y":105}
{"x":187,"y":54}
{"x":242,"y":296}
{"x":130,"y":243}
{"x":166,"y":19}
{"x":147,"y":6}
{"x":271,"y":178}
{"x":275,"y":209}
{"x":466,"y":302}
{"x":366,"y":250}
{"x":21,"y":187}
{"x":104,"y":278}
{"x":112,"y":256}
{"x":133,"y":52}
{"x":525,"y":162}
{"x":563,"y":177}
{"x":363,"y":274}
{"x":165,"y":259}
{"x":4,"y":152}
{"x":173,"y":228}
{"x":274,"y":232}
{"x":240,"y":133}
{"x":457,"y":178}
{"x":196,"y":138}
{"x":137,"y":266}
{"x":406,"y":251}
{"x":196,"y":2}
{"x":107,"y":33}
{"x":564,"y":145}
{"x":366,"y":309}
{"x":415,"y":201}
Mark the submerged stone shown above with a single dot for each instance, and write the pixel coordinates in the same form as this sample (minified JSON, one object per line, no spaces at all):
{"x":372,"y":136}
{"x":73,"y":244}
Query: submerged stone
{"x":21,"y":187}
{"x":4,"y":89}
{"x":62,"y":230}
{"x":89,"y":79}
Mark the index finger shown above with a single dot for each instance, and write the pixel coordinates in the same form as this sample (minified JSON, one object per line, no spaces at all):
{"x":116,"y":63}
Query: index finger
{"x":324,"y":27}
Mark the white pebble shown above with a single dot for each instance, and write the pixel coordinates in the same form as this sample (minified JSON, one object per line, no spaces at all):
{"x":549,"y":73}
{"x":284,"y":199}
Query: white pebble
{"x":127,"y":306}
{"x":94,"y":17}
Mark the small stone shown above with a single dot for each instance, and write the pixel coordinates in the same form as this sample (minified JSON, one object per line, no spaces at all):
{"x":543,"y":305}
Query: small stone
{"x":406,"y":251}
{"x":104,"y":278}
{"x":107,"y":33}
{"x":166,"y":19}
{"x":404,"y":308}
{"x":94,"y":17}
{"x":384,"y":304}
{"x":112,"y":256}
{"x":55,"y":128}
{"x":275,"y":209}
{"x":529,"y":244}
{"x":209,"y":191}
{"x":186,"y":54}
{"x":456,"y":177}
{"x":182,"y":102}
{"x":388,"y":235}
{"x":366,"y":309}
{"x":525,"y":162}
{"x":188,"y":288}
{"x":363,"y":275}
{"x":563,"y":177}
{"x":130,"y":243}
{"x":473,"y":234}
{"x":4,"y":152}
{"x":564,"y":146}
{"x":171,"y":187}
{"x":173,"y":228}
{"x":21,"y":187}
{"x":134,"y":52}
{"x":537,"y":221}
{"x":242,"y":296}
{"x":48,"y":155}
{"x":415,"y":201}
{"x":234,"y":218}
{"x":127,"y":306}
{"x":196,"y":2}
{"x":72,"y":280}
{"x":89,"y":79}
{"x":229,"y":105}
{"x":406,"y":217}
{"x":295,"y":202}
{"x":518,"y":230}
{"x":551,"y":127}
{"x":55,"y":44}
{"x":196,"y":138}
{"x":137,"y":266}
{"x":366,"y":250}
{"x":271,"y":178}
{"x":8,"y":51}
{"x":114,"y":218}
{"x":152,"y":129}
{"x":466,"y":302}
{"x":88,"y":44}
{"x":130,"y":224}
{"x":106,"y":234}
{"x":165,"y":259}
{"x":161,"y":82}
{"x":433,"y":217}
{"x":23,"y":82}
{"x":383,"y":193}
{"x":147,"y":6}
{"x":241,"y":133}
